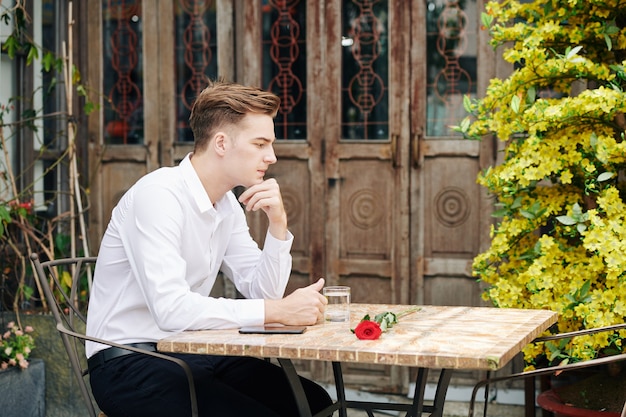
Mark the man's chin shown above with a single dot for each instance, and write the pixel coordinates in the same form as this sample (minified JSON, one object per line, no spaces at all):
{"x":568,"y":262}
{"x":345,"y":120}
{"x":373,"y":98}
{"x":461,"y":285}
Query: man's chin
{"x":251,"y":183}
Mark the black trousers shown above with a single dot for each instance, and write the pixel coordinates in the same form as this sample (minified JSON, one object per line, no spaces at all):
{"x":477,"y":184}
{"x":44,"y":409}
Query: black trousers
{"x":140,"y":385}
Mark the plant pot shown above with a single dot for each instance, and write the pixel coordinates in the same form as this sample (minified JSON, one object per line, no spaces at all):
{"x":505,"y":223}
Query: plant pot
{"x":63,"y":398}
{"x":23,"y":390}
{"x":550,"y":401}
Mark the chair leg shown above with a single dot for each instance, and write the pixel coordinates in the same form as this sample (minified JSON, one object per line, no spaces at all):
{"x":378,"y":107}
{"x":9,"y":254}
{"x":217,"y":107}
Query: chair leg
{"x":529,"y":397}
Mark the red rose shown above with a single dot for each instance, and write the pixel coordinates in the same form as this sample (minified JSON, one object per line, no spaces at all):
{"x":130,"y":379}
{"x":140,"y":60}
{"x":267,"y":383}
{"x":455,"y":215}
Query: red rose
{"x":367,"y":330}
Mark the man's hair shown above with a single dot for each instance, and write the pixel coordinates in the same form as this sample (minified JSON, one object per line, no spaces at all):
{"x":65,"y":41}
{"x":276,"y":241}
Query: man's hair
{"x":223,"y":104}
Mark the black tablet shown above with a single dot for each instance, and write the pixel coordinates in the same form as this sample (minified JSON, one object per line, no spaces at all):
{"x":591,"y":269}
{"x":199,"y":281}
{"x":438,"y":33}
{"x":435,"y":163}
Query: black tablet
{"x":273,"y":329}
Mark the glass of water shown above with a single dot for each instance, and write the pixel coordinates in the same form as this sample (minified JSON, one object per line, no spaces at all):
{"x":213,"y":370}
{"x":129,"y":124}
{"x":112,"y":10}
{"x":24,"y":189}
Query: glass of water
{"x":338,"y":307}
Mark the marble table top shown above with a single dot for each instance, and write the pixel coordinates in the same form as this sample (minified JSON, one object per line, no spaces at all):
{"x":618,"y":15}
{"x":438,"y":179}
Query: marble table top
{"x":432,"y":337}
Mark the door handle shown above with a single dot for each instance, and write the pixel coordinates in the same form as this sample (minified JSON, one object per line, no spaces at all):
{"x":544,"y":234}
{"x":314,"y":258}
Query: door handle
{"x":395,"y":143}
{"x":416,"y":138}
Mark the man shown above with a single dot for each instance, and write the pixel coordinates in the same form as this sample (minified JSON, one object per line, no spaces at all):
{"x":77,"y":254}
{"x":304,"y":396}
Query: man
{"x":168,"y":238}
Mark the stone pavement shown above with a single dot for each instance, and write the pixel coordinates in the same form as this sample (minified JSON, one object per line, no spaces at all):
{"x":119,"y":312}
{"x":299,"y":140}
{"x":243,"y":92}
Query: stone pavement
{"x":450,"y":409}
{"x":456,"y":409}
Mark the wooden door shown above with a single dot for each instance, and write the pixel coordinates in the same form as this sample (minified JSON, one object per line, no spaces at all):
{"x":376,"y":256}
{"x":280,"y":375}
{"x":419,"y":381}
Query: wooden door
{"x":147,"y":60}
{"x":343,"y":137}
{"x":380,"y":193}
{"x":367,"y":134}
{"x":448,"y":210}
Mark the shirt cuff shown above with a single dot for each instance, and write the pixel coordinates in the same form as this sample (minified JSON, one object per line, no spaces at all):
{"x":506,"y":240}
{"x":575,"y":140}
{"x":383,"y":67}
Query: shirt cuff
{"x":278,"y":245}
{"x":252,"y":313}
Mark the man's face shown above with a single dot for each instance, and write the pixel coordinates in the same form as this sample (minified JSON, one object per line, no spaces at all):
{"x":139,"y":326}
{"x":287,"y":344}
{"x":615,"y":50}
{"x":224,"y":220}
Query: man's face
{"x":251,"y":150}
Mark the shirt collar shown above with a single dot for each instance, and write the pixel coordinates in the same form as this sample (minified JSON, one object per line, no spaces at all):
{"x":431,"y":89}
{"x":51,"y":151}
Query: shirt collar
{"x":192,"y":180}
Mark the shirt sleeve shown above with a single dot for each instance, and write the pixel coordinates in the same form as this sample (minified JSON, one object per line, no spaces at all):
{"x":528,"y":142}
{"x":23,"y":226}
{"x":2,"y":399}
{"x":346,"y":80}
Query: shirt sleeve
{"x":255,"y":273}
{"x":152,"y":241}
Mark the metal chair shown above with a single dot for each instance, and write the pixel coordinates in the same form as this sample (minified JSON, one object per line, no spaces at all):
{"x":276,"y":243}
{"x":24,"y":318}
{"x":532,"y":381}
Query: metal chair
{"x":552,"y":369}
{"x":66,"y":285}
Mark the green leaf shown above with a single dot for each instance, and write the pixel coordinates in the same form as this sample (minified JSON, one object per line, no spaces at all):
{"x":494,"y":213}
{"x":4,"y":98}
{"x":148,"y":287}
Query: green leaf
{"x":515,"y":102}
{"x":80,"y":89}
{"x":517,"y":203}
{"x":566,"y":220}
{"x":554,"y":355}
{"x":11,"y":45}
{"x":611,"y":28}
{"x":5,"y":214}
{"x":593,"y":140}
{"x":584,"y":290}
{"x":33,"y":54}
{"x":463,"y":127}
{"x":609,"y":43}
{"x":570,"y":53}
{"x":531,"y":95}
{"x":48,"y":61}
{"x":500,"y":213}
{"x":28,"y":292}
{"x":605,"y":176}
{"x":465,"y":124}
{"x":467,"y":103}
{"x":89,"y":108}
{"x":66,"y":279}
{"x":486,"y":20}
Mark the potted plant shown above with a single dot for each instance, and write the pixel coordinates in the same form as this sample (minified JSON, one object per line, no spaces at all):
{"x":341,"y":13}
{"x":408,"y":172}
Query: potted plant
{"x":23,"y":391}
{"x":560,"y":187}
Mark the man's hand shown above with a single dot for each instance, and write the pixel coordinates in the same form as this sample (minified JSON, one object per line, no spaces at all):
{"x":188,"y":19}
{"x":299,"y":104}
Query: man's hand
{"x":266,"y":196}
{"x":303,"y":307}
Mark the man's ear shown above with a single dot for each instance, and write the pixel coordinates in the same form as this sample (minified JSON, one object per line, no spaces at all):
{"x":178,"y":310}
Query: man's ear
{"x":219,"y":143}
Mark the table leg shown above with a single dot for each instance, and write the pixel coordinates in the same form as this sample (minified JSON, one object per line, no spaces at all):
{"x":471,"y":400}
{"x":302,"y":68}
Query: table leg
{"x":296,"y":386}
{"x":440,"y":394}
{"x":436,"y":409}
{"x":304,"y":410}
{"x":341,"y":392}
{"x":418,"y":395}
{"x":415,"y":409}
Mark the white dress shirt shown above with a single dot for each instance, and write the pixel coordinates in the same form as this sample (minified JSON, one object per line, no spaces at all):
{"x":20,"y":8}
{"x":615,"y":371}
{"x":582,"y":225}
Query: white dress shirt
{"x":160,"y":257}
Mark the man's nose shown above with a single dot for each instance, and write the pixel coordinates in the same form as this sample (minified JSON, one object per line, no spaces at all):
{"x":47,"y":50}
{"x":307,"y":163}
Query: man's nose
{"x":270,"y":158}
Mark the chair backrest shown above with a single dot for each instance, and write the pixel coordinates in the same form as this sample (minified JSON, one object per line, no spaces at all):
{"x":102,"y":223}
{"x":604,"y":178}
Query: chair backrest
{"x":65,"y":283}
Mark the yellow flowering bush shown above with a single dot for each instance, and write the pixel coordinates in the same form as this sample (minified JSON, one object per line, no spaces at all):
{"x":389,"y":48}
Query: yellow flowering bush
{"x":560,"y":239}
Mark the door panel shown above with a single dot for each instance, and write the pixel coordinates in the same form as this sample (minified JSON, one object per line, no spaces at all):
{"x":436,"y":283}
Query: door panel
{"x":449,"y":229}
{"x":120,"y":176}
{"x":366,"y":208}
